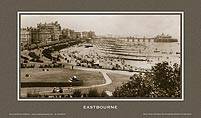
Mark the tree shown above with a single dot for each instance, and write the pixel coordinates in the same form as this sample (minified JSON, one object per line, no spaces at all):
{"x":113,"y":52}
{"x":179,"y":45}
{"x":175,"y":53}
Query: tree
{"x":138,"y":86}
{"x":162,"y":81}
{"x":167,"y":80}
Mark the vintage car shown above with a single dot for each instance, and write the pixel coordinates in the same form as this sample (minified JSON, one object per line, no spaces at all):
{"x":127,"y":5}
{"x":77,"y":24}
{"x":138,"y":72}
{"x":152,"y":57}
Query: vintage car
{"x":57,"y":90}
{"x":74,"y":81}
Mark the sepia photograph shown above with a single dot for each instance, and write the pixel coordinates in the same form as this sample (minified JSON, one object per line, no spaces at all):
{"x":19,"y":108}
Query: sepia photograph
{"x":100,"y":56}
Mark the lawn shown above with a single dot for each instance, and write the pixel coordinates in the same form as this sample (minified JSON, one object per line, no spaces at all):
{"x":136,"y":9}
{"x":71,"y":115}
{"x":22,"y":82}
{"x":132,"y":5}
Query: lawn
{"x":60,"y":75}
{"x":117,"y":81}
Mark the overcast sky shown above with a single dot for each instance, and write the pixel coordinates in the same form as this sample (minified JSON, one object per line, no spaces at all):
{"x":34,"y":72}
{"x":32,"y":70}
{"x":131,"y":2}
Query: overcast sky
{"x":122,"y":25}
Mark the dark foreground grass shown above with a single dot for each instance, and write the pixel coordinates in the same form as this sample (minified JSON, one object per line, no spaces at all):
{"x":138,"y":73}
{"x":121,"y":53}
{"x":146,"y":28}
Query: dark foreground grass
{"x":60,"y":75}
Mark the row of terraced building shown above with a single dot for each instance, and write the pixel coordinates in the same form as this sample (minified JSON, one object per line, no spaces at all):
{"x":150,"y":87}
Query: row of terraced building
{"x":48,"y":32}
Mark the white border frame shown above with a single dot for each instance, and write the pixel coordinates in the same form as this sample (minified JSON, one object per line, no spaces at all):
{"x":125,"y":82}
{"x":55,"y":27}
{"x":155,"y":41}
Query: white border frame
{"x":105,"y":12}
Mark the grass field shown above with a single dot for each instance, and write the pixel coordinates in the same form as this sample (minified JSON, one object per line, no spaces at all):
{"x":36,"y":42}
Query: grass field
{"x":117,"y":81}
{"x":60,"y":75}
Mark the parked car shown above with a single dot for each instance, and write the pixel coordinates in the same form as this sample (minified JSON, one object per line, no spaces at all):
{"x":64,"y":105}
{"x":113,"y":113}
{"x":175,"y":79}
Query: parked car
{"x":57,"y":90}
{"x":74,"y":81}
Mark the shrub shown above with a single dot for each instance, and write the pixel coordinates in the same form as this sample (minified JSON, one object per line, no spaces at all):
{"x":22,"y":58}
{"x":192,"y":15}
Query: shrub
{"x":33,"y":55}
{"x":162,"y":81}
{"x":77,"y":93}
{"x":47,"y":53}
{"x":104,"y":94}
{"x":93,"y":93}
{"x":137,"y":87}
